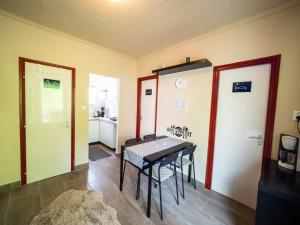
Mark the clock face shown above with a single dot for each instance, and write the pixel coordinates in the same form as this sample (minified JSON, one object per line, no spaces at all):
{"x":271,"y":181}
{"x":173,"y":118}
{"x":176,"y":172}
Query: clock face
{"x":180,"y":83}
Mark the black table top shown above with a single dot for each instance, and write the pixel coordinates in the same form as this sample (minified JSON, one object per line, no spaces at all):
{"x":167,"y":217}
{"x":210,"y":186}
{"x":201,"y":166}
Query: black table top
{"x":276,"y":182}
{"x":159,"y":155}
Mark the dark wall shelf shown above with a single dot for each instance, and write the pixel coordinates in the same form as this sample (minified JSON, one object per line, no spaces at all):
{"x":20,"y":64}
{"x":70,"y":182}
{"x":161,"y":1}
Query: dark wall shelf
{"x":202,"y":63}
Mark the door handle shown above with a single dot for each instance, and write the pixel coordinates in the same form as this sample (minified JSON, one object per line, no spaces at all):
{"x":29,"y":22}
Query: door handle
{"x":258,"y":138}
{"x":67,"y":124}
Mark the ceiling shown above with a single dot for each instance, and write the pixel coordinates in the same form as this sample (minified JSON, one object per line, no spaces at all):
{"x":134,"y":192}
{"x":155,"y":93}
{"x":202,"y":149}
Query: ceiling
{"x":136,"y":27}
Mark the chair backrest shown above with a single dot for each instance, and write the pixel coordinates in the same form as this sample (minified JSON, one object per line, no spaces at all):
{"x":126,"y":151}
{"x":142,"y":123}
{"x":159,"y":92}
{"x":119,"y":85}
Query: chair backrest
{"x":149,"y":137}
{"x":168,"y":159}
{"x":188,"y":150}
{"x":133,"y":141}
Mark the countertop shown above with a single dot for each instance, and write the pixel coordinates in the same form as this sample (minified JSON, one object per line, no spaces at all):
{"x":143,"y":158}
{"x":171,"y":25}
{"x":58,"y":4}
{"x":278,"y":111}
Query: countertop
{"x":103,"y":119}
{"x":276,"y":182}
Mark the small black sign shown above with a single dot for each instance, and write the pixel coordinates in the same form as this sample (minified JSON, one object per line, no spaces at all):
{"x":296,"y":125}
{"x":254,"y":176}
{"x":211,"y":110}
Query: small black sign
{"x":244,"y":86}
{"x":148,"y":91}
{"x":179,"y":131}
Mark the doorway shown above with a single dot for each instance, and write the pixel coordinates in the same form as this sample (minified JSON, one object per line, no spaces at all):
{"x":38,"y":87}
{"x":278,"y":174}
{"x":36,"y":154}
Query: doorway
{"x":147,"y":94}
{"x":47,"y":119}
{"x":241,"y":126}
{"x":103,"y":116}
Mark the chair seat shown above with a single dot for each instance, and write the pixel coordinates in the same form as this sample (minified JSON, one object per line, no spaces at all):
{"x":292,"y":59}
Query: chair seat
{"x":165,"y":172}
{"x":185,"y":162}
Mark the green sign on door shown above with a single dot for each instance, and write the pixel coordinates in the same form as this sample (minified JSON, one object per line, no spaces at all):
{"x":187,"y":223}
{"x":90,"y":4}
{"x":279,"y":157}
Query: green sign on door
{"x":54,"y":84}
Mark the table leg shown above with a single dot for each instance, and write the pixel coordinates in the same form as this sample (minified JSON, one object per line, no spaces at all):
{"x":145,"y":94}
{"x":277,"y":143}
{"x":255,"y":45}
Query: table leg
{"x":149,"y":191}
{"x":121,"y":169}
{"x":190,"y":171}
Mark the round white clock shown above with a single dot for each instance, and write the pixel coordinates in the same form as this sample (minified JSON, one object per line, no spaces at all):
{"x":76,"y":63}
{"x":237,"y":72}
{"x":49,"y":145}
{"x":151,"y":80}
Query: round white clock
{"x":180,"y":83}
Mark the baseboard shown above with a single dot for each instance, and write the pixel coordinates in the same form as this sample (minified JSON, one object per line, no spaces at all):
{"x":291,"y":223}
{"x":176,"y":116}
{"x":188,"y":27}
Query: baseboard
{"x":113,"y":149}
{"x":82,"y":166}
{"x":99,"y":142}
{"x":95,"y":143}
{"x":10,"y":186}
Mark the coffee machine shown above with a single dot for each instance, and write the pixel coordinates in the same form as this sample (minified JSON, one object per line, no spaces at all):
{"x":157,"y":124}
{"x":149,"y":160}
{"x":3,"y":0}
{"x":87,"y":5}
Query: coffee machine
{"x":102,"y":112}
{"x":288,"y":153}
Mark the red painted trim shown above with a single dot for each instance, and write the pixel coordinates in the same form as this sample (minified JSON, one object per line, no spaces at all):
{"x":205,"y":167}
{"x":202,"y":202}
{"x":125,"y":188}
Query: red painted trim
{"x":73,"y":120}
{"x":156,"y":103}
{"x":274,"y":61}
{"x":22,"y":113}
{"x":138,"y":110}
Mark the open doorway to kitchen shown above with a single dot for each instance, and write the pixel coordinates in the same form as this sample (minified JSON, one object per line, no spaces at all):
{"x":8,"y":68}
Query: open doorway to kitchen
{"x":103,"y":116}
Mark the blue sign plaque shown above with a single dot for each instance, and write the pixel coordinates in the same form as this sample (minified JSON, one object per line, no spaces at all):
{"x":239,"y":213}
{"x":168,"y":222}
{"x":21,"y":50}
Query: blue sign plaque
{"x":244,"y":86}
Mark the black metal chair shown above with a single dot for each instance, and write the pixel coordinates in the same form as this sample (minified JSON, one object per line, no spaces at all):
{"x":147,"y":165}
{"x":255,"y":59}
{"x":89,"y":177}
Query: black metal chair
{"x":150,"y":137}
{"x":132,"y":141}
{"x":182,"y":162}
{"x":160,"y":173}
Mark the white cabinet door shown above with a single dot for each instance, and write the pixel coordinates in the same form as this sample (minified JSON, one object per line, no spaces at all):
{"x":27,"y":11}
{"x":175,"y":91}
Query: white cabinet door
{"x":108,"y":133}
{"x":94,"y":131}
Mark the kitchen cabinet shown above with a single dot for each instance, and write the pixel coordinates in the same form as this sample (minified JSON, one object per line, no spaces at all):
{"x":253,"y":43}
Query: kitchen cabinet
{"x":108,"y":133}
{"x":278,"y":199}
{"x":94,"y":131}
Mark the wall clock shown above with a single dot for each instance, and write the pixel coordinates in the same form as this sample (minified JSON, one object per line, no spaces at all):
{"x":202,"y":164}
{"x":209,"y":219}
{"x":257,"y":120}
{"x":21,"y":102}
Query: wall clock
{"x":180,"y":83}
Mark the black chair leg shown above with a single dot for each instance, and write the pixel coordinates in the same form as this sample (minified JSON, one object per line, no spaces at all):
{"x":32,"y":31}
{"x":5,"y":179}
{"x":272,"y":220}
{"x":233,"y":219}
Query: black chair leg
{"x":182,"y":182}
{"x":176,"y":185}
{"x":160,"y":200}
{"x":194,"y":175}
{"x":123,"y":172}
{"x":137,"y":196}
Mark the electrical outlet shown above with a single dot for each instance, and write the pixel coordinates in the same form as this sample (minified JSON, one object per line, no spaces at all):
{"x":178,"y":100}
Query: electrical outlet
{"x":295,"y":114}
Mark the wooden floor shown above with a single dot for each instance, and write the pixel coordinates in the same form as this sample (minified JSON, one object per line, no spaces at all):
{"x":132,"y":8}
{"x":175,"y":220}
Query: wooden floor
{"x":199,"y":207}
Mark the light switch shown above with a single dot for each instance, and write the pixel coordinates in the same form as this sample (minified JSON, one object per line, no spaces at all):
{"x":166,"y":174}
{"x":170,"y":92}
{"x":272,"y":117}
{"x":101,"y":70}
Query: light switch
{"x":83,"y":107}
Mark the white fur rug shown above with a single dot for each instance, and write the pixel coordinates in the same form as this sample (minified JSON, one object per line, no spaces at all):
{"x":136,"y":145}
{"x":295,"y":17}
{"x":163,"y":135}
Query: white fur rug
{"x":77,"y":207}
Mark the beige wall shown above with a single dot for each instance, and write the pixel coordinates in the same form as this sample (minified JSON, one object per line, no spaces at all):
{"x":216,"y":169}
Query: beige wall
{"x":264,"y":35}
{"x":21,"y":39}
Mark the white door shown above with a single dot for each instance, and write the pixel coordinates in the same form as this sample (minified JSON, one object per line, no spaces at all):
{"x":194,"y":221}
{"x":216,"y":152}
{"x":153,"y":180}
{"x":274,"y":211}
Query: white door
{"x":48,"y":121}
{"x":148,"y":107}
{"x":240,"y":128}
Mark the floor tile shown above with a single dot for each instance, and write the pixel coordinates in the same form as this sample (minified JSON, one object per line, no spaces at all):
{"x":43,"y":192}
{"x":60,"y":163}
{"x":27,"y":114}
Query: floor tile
{"x":200,"y":207}
{"x":24,"y":190}
{"x":131,"y":215}
{"x":4,"y":198}
{"x":78,"y":183}
{"x":50,"y":189}
{"x":21,"y":210}
{"x":225,"y":213}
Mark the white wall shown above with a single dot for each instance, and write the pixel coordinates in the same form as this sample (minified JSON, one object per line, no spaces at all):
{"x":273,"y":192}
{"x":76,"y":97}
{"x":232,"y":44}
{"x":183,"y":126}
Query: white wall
{"x":271,"y":33}
{"x":100,"y":83}
{"x":22,"y":38}
{"x":197,"y":95}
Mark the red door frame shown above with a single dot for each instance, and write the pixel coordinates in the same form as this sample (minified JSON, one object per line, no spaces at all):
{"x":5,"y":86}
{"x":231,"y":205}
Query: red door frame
{"x":274,"y":77}
{"x":139,"y":95}
{"x":22,"y":113}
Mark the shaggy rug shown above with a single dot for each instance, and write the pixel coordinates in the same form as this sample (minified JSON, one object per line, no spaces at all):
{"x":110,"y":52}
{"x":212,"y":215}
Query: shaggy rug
{"x":77,"y":207}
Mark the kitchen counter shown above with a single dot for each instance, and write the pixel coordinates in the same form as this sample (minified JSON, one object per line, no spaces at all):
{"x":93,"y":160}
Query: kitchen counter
{"x":103,"y":119}
{"x":278,"y":199}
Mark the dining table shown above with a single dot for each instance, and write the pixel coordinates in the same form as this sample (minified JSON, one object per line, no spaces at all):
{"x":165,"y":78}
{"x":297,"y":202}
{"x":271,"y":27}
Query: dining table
{"x":150,"y":152}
